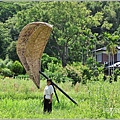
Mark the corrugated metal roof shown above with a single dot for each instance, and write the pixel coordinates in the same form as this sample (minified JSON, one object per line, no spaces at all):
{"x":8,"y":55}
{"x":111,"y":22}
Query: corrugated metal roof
{"x":104,"y":49}
{"x":118,"y":47}
{"x":100,"y":49}
{"x":116,"y":65}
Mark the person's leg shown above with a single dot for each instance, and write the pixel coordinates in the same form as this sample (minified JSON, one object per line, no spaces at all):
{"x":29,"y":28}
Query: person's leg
{"x":50,"y":108}
{"x":45,"y":106}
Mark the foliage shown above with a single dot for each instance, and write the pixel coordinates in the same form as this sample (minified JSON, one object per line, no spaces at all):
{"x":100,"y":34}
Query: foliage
{"x":2,"y":64}
{"x":11,"y":51}
{"x":17,"y":68}
{"x":46,"y":59}
{"x":78,"y":29}
{"x":21,"y":99}
{"x":6,"y":67}
{"x":75,"y":24}
{"x":86,"y":75}
{"x":56,"y":72}
{"x":7,"y":10}
{"x":51,"y":66}
{"x":78,"y":73}
{"x":74,"y":74}
{"x":6,"y":72}
{"x":4,"y":40}
{"x":22,"y":77}
{"x":117,"y":72}
{"x":10,"y":68}
{"x":9,"y":65}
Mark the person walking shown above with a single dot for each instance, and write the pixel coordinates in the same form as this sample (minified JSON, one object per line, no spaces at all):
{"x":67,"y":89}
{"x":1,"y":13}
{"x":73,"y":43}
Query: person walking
{"x":48,"y":94}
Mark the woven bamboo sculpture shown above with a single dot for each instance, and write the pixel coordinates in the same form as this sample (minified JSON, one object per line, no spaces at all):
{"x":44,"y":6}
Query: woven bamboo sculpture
{"x":30,"y":46}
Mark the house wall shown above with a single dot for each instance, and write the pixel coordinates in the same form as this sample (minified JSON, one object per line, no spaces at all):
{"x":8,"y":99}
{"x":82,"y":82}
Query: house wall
{"x":118,"y":56}
{"x":104,"y":57}
{"x":115,"y":58}
{"x":99,"y":57}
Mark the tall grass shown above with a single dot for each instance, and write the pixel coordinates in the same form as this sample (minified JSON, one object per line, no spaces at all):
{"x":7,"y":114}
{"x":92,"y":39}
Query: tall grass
{"x":21,"y":99}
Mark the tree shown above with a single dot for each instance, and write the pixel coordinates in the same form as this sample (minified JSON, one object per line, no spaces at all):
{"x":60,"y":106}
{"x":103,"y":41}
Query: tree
{"x":111,"y":47}
{"x":113,"y":51}
{"x":74,"y":26}
{"x":69,"y":29}
{"x":11,"y":51}
{"x":4,"y":40}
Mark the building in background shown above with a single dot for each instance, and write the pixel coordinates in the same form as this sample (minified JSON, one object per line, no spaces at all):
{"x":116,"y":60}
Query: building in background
{"x":108,"y":60}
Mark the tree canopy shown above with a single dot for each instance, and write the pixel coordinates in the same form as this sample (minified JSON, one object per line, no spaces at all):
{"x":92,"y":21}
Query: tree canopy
{"x":78,"y":27}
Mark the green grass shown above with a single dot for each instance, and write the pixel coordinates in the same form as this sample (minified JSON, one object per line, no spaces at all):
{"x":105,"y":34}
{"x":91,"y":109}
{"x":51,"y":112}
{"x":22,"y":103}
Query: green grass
{"x":21,"y":99}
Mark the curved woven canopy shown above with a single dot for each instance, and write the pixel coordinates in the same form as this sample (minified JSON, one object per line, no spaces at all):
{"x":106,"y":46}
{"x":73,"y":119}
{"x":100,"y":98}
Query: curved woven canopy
{"x":30,"y":46}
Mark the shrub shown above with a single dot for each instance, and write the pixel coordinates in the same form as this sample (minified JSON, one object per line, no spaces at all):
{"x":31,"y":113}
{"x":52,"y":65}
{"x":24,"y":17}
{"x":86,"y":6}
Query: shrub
{"x":6,"y":60}
{"x":74,"y":73}
{"x":78,"y":72}
{"x":6,"y":72}
{"x":25,"y":77}
{"x":17,"y":68}
{"x":9,"y":65}
{"x":86,"y":74}
{"x":2,"y":64}
{"x":46,"y":59}
{"x":56,"y":72}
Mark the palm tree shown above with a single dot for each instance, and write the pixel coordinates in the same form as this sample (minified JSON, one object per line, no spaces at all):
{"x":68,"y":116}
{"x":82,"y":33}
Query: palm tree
{"x":113,"y":50}
{"x":108,"y":48}
{"x":111,"y":47}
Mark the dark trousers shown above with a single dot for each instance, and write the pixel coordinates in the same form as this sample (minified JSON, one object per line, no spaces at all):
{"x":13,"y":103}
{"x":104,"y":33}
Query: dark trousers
{"x":47,"y":106}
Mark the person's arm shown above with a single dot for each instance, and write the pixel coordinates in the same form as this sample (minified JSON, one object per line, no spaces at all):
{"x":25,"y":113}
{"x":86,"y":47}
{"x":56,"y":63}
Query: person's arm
{"x":51,"y":97}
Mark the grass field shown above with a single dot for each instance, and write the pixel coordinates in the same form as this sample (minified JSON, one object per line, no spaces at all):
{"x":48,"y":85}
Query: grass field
{"x":21,"y":99}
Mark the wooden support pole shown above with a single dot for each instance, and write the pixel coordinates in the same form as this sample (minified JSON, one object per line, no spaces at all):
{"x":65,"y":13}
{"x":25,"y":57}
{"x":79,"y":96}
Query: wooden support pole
{"x":59,"y":89}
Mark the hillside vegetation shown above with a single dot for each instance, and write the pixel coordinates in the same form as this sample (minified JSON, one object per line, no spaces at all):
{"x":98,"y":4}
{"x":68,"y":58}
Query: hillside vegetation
{"x":78,"y":29}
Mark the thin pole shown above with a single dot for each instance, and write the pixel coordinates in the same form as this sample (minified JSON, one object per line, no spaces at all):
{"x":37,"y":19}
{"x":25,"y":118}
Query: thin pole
{"x":65,"y":94}
{"x":56,"y":94}
{"x":59,"y":89}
